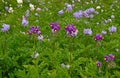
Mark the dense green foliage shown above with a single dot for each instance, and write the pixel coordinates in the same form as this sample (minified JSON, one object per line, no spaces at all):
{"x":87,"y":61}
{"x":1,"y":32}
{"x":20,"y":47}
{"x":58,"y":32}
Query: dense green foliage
{"x":17,"y":62}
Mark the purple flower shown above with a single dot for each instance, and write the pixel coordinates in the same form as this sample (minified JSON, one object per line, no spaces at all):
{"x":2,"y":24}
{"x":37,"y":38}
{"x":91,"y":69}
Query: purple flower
{"x":30,"y":32}
{"x":60,"y":12}
{"x":86,"y":14}
{"x":112,"y":57}
{"x":112,"y":29}
{"x":5,"y":27}
{"x":90,"y":11}
{"x":78,"y":14}
{"x":87,"y":31}
{"x":98,"y":37}
{"x":39,"y":32}
{"x":24,"y":21}
{"x":98,"y":64}
{"x":34,"y":30}
{"x":106,"y":58}
{"x":71,"y":30}
{"x":69,"y":7}
{"x":55,"y":27}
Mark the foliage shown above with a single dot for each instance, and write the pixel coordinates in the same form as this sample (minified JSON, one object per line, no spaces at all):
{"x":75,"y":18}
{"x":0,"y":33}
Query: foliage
{"x":80,"y":52}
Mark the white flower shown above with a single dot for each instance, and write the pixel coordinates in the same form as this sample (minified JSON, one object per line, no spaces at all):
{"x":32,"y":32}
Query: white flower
{"x":19,"y":1}
{"x":78,"y":0}
{"x":117,"y":50}
{"x":98,"y":7}
{"x":38,"y":9}
{"x":97,"y":23}
{"x":112,"y":16}
{"x":31,"y":7}
{"x":102,"y":10}
{"x":40,"y":37}
{"x":73,"y":1}
{"x":96,"y":12}
{"x":22,"y":32}
{"x":109,"y":20}
{"x":104,"y":32}
{"x":91,"y":16}
{"x":68,"y":66}
{"x":3,"y":1}
{"x":48,"y":39}
{"x":35,"y":55}
{"x":10,"y":10}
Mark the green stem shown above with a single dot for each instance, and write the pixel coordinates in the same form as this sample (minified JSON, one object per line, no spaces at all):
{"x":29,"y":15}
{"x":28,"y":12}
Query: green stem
{"x":70,"y":61}
{"x":4,"y":44}
{"x":70,"y":55}
{"x":34,"y":43}
{"x":53,"y":50}
{"x":53,"y":55}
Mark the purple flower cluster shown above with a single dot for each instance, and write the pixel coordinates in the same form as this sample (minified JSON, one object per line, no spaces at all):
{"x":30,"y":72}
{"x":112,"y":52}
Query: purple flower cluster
{"x":98,"y":37}
{"x":55,"y":27}
{"x":34,"y":30}
{"x":71,"y":30}
{"x":88,"y":13}
{"x":78,"y":14}
{"x":111,"y":57}
{"x":5,"y":27}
